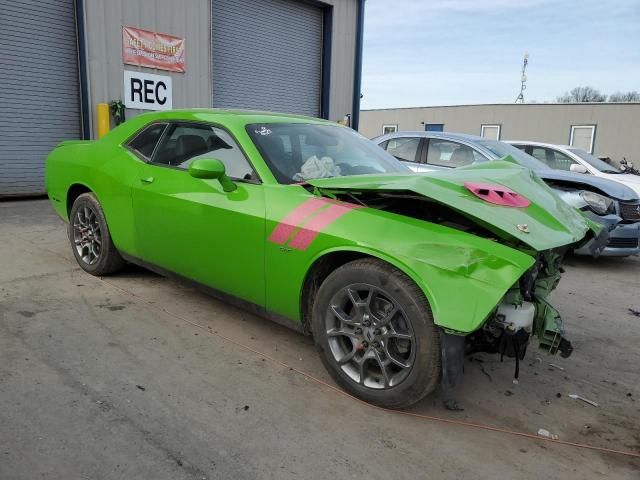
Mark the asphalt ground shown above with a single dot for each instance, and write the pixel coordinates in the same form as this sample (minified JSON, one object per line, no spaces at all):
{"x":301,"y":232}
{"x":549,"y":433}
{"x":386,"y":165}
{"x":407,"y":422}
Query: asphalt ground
{"x":137,"y":376}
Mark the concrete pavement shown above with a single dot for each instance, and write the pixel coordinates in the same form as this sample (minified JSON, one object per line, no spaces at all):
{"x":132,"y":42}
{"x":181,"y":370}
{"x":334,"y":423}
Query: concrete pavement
{"x":103,"y":379}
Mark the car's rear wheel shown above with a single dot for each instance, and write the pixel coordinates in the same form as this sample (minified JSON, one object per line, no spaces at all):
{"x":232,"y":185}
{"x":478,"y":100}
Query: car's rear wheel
{"x":90,"y":238}
{"x":375,"y":333}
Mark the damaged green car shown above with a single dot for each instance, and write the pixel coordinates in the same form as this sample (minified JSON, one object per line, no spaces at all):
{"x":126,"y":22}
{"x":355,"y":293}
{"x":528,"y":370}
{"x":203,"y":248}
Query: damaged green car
{"x":395,"y":275}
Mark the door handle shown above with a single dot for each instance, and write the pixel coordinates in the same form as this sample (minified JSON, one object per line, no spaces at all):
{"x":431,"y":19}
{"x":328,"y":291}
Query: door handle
{"x":147,"y":180}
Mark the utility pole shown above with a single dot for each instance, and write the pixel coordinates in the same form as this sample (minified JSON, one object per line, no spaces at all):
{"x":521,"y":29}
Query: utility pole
{"x":523,"y":79}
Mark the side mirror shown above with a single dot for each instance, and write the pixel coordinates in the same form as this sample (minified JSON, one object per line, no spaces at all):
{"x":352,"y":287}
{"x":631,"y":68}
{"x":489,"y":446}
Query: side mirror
{"x":577,"y":168}
{"x":210,"y":169}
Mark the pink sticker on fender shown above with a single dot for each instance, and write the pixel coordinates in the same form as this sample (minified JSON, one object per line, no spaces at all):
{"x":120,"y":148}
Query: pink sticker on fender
{"x":317,"y":224}
{"x":288,"y":225}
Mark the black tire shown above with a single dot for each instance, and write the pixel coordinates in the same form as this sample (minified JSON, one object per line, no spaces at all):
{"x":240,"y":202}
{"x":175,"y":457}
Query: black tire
{"x":390,"y":285}
{"x":86,"y":224}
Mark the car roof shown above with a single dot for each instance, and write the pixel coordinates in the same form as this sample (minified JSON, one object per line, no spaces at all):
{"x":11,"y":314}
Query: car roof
{"x":538,"y":144}
{"x":222,"y":114}
{"x":421,"y":133}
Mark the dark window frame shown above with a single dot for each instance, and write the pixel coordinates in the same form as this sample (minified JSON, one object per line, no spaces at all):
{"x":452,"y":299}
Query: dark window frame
{"x":127,"y":143}
{"x":422,"y":151}
{"x":170,"y":123}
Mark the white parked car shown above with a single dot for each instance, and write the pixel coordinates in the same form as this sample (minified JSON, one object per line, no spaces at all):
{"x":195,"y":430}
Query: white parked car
{"x":564,"y":157}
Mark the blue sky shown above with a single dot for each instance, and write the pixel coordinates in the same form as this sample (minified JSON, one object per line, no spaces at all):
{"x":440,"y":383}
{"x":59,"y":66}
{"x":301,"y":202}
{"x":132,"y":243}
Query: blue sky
{"x":443,"y":52}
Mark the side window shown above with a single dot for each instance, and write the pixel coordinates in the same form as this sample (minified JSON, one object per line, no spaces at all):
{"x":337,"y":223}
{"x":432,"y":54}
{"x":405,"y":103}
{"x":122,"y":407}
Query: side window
{"x":146,"y":140}
{"x":445,"y":153}
{"x":539,"y":153}
{"x":520,"y":147}
{"x":562,"y":161}
{"x":554,"y":159}
{"x":404,"y":148}
{"x":184,"y":143}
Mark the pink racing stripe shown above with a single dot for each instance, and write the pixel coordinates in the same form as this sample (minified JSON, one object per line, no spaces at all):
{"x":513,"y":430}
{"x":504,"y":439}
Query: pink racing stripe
{"x":317,"y":224}
{"x":288,"y":225}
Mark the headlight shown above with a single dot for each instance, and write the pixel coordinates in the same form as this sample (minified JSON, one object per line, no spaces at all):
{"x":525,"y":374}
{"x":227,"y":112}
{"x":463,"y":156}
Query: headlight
{"x":598,"y":203}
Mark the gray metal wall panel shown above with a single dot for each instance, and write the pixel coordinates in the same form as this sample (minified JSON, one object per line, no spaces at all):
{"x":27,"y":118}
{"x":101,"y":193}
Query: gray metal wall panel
{"x":39,"y":93}
{"x":267,"y":55}
{"x":342,"y":57}
{"x":189,"y":19}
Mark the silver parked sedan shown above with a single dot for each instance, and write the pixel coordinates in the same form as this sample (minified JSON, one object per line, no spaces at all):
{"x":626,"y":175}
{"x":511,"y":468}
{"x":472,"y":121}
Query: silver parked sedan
{"x":612,"y":204}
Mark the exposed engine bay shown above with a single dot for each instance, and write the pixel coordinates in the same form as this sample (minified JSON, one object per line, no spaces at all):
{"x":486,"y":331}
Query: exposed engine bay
{"x":523,"y":312}
{"x":416,"y":206}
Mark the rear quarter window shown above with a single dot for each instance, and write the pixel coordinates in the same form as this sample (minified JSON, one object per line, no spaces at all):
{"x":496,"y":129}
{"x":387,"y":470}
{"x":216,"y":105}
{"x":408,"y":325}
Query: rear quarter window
{"x":144,"y":143}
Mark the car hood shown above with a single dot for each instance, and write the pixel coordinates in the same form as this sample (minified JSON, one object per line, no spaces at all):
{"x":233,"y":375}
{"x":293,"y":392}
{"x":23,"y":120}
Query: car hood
{"x":611,"y":188}
{"x":548,"y":222}
{"x":627,"y":179}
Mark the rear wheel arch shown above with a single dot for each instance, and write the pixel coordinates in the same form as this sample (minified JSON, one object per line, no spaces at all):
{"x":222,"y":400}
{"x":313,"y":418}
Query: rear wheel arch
{"x":73,"y":193}
{"x":327,"y":262}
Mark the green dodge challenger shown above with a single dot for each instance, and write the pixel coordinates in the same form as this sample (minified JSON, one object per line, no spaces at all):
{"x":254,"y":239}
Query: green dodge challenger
{"x":396,"y":275}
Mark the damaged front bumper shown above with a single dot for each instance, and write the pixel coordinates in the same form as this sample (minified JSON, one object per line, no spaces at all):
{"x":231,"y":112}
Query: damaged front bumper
{"x":615,"y":240}
{"x":525,"y":311}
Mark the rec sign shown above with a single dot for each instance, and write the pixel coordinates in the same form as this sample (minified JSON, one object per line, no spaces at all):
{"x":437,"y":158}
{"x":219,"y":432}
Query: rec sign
{"x":147,"y":91}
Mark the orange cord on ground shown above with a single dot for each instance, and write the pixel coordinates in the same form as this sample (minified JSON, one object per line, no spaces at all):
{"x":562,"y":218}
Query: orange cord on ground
{"x":335,"y":389}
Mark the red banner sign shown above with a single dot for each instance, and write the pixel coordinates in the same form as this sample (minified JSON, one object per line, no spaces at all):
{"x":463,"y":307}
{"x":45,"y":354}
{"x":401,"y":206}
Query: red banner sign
{"x":152,"y":49}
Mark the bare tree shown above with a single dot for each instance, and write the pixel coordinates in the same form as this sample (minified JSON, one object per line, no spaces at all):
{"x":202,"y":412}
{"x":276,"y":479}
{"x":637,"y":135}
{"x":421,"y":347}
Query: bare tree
{"x":582,"y":95}
{"x":632,"y":96}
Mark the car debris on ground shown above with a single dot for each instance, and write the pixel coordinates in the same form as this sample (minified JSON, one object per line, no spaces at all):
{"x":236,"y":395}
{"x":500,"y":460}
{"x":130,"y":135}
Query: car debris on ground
{"x":585,"y":400}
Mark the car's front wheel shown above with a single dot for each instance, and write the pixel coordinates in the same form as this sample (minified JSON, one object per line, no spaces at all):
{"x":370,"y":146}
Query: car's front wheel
{"x":375,"y":333}
{"x":90,"y":238}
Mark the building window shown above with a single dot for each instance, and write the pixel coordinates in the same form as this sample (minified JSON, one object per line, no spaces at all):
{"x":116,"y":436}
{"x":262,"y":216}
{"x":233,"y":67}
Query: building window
{"x":389,"y":129}
{"x":582,"y":136}
{"x":490,"y":131}
{"x":434,"y":127}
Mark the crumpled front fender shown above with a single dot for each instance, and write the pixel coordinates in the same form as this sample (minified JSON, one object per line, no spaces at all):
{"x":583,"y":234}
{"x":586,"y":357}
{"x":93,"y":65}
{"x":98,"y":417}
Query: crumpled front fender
{"x":465,"y":284}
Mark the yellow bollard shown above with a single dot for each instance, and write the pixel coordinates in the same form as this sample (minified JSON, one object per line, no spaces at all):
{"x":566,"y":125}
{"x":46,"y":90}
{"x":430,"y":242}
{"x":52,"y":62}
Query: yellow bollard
{"x":103,"y":119}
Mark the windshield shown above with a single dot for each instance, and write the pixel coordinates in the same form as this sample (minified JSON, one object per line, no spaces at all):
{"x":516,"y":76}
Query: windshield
{"x":502,"y":149}
{"x":296,"y":152}
{"x":595,"y":162}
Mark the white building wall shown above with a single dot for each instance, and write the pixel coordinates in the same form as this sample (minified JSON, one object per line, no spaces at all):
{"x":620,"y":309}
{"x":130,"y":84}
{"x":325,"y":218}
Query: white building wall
{"x":616,"y":135}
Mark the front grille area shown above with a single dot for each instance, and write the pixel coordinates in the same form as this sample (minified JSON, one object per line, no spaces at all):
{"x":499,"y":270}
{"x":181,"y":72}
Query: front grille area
{"x":623,"y":243}
{"x":630,"y":212}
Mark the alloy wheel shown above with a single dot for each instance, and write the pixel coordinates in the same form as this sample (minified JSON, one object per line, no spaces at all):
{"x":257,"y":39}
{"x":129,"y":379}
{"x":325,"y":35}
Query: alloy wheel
{"x":87,"y":236}
{"x":370,"y":336}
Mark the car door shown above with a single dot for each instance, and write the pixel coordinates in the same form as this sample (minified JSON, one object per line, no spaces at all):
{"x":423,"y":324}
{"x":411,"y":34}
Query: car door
{"x":190,"y":226}
{"x":407,"y":150}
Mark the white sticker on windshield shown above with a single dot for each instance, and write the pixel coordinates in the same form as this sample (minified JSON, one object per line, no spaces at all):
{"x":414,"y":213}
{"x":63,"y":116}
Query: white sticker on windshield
{"x":263,"y":131}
